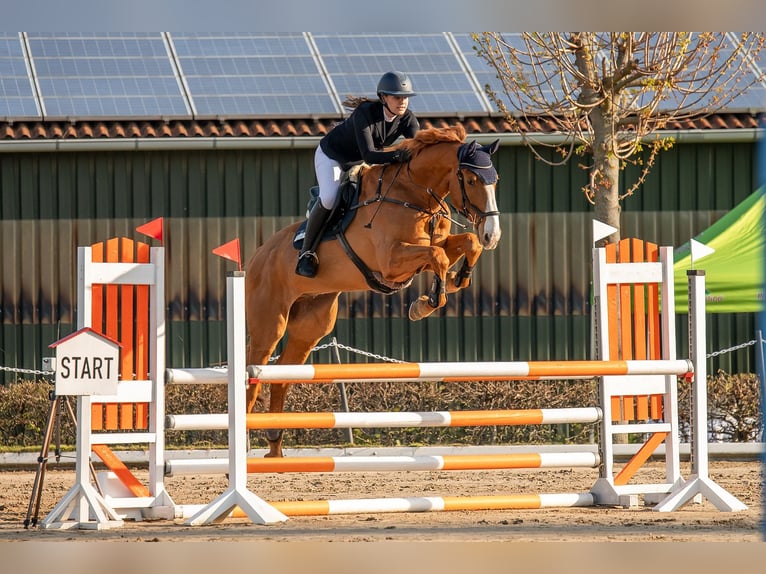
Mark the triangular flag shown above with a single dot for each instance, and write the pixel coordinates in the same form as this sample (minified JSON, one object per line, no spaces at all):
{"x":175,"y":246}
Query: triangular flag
{"x":152,"y":229}
{"x":230,"y":251}
{"x":699,"y":250}
{"x":601,"y":230}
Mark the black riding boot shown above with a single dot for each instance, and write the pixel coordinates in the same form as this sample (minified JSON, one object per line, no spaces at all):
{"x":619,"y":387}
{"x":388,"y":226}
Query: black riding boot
{"x":308,"y":262}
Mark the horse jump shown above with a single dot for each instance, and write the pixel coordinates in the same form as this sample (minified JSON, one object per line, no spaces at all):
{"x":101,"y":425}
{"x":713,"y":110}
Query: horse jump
{"x":158,"y":503}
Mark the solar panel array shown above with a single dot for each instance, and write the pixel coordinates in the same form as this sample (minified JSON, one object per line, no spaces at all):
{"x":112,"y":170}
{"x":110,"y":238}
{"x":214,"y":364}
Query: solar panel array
{"x":17,"y":95}
{"x":171,"y":75}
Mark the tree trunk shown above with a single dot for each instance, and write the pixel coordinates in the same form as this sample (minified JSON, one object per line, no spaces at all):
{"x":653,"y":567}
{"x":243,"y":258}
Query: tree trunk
{"x":605,"y":176}
{"x":605,"y":180}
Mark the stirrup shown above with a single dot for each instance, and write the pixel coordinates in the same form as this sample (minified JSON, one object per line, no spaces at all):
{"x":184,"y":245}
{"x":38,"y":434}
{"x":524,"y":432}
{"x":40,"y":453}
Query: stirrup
{"x":308,"y":263}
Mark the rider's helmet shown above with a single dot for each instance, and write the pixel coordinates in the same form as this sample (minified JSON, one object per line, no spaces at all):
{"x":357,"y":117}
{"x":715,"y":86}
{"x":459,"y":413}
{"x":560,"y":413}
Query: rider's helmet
{"x":395,"y":84}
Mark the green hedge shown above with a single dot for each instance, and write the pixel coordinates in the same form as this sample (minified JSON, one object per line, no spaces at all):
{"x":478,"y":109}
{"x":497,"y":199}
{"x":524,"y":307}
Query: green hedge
{"x":733,"y":403}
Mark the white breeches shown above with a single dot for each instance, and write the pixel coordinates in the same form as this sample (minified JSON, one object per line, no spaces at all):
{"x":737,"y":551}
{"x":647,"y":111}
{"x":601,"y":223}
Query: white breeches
{"x":329,"y":173}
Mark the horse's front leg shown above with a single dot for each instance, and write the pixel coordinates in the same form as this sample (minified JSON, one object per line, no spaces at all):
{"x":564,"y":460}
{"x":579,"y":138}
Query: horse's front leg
{"x":465,"y":245}
{"x":408,"y":258}
{"x":456,"y":246}
{"x":311,"y":318}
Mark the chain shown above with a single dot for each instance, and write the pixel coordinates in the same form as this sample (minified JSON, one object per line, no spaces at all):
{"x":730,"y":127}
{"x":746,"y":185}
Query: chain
{"x":360,"y":352}
{"x":347,"y":348}
{"x":731,"y":349}
{"x":26,"y":371}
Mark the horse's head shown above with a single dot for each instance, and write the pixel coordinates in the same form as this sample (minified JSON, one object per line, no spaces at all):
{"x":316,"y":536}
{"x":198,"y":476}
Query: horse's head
{"x":478,"y":179}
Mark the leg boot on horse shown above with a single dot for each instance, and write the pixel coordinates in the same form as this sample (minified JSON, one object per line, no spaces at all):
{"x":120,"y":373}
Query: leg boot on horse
{"x":308,"y":262}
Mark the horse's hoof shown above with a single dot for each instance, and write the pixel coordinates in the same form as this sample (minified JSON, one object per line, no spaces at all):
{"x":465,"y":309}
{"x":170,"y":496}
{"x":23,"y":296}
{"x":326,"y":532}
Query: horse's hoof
{"x":417,"y":308}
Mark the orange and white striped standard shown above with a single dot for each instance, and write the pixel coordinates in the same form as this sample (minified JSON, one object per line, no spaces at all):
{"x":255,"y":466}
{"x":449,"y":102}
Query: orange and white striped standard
{"x":511,"y":417}
{"x":457,"y":372}
{"x":417,"y":504}
{"x":584,"y":459}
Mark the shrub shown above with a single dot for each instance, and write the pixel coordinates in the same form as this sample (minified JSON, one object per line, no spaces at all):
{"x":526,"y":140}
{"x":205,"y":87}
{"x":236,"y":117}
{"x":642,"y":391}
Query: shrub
{"x":733,"y":403}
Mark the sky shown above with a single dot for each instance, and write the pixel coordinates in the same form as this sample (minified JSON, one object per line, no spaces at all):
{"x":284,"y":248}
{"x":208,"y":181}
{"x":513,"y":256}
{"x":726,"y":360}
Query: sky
{"x":381,"y":16}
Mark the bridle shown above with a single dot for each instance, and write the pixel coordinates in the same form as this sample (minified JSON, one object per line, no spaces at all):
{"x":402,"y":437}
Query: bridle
{"x":468,"y":209}
{"x":468,"y":205}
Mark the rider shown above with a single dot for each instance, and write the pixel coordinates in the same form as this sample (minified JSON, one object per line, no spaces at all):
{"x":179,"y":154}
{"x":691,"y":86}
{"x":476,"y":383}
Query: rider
{"x":373,"y":125}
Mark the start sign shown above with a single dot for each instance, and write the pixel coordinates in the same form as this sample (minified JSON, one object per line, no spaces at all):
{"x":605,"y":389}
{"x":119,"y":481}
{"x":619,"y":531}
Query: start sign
{"x":87,"y":363}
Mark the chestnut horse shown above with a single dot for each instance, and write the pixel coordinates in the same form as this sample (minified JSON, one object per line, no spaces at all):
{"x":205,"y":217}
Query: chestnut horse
{"x":402,"y":228}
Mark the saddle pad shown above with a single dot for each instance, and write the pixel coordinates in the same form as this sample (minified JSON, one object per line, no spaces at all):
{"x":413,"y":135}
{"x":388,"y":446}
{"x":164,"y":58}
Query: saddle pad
{"x":341,"y":217}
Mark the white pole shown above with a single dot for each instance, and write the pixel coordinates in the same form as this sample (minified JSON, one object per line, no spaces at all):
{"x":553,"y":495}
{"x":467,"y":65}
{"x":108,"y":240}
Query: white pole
{"x":258,"y":510}
{"x":74,"y":509}
{"x":699,"y":482}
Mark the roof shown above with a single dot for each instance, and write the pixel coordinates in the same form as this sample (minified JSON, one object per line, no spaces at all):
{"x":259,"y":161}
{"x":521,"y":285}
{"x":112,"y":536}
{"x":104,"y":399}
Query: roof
{"x":309,"y":127}
{"x":80,"y":332}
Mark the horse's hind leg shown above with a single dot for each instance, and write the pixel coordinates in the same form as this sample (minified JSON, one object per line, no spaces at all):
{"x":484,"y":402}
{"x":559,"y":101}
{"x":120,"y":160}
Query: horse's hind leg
{"x":311,"y":318}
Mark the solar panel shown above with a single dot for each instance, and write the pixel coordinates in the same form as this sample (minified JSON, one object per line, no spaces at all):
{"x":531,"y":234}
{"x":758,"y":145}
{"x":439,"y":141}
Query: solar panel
{"x":252,"y":75}
{"x":547,"y":91}
{"x":755,"y":96}
{"x":156,"y":75}
{"x":355,"y":63}
{"x":17,"y":96}
{"x":106,"y":76}
{"x":485,"y":74}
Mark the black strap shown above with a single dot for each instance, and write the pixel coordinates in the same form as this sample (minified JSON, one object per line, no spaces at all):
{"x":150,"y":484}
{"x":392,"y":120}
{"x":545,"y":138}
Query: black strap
{"x":372,"y":281}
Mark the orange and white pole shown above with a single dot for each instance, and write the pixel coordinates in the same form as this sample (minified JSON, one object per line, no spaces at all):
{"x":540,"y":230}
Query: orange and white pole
{"x":437,"y":372}
{"x":339,"y":420}
{"x":419,"y":504}
{"x":584,"y":459}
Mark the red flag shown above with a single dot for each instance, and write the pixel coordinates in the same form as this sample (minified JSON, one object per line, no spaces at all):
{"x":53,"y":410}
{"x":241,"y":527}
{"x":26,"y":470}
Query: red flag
{"x":230,"y":251}
{"x":152,"y":229}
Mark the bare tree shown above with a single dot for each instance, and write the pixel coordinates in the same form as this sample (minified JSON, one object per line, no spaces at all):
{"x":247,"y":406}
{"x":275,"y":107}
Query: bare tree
{"x":610,"y":93}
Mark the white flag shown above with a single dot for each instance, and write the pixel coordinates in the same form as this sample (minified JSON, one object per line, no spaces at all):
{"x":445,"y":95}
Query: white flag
{"x":699,"y":250}
{"x":601,"y":230}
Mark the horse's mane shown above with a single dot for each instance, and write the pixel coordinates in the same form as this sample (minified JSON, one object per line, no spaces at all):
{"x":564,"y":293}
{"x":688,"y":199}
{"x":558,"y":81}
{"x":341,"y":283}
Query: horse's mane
{"x":430,"y":136}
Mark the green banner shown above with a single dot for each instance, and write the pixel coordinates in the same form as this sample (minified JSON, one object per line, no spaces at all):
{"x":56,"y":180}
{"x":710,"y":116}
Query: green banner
{"x":734,"y":272}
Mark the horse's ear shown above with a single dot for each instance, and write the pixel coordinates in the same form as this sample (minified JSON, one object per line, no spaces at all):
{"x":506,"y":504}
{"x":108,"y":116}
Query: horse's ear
{"x":467,"y":150}
{"x":492,"y":148}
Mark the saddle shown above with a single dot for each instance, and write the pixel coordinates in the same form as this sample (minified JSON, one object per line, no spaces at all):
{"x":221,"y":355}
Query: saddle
{"x":343,"y":212}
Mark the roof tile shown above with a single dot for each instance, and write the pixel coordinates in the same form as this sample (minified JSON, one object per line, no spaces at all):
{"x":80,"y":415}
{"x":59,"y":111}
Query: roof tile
{"x":51,"y":130}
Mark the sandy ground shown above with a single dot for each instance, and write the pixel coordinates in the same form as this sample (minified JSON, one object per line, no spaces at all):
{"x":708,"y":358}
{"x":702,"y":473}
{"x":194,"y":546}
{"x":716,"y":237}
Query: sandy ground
{"x":693,"y":523}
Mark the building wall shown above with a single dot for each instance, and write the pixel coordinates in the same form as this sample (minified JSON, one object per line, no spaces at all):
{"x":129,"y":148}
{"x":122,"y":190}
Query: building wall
{"x":529,"y":299}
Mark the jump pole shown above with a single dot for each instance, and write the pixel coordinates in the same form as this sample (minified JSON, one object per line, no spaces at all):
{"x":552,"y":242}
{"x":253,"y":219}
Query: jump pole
{"x":438,"y":372}
{"x":348,"y":420}
{"x":585,"y":459}
{"x":463,"y":372}
{"x":237,"y":495}
{"x":418,"y":504}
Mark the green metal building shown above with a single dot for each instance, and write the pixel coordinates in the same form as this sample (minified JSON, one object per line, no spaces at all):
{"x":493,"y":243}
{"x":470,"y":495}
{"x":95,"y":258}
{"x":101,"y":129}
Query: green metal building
{"x":529,"y":299}
{"x":70,"y":178}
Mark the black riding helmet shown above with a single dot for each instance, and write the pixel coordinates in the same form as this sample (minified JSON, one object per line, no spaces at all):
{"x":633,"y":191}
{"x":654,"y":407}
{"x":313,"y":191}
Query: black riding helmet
{"x":395,"y":84}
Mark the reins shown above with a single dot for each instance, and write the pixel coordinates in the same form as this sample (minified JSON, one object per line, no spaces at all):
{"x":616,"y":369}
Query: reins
{"x":442,"y":211}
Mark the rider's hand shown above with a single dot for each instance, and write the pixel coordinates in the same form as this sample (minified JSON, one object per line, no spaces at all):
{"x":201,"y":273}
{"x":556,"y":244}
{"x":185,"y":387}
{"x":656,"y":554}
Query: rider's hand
{"x":402,"y":156}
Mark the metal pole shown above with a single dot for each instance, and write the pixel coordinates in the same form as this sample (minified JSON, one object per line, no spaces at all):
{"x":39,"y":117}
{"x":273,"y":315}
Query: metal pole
{"x":342,"y":390}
